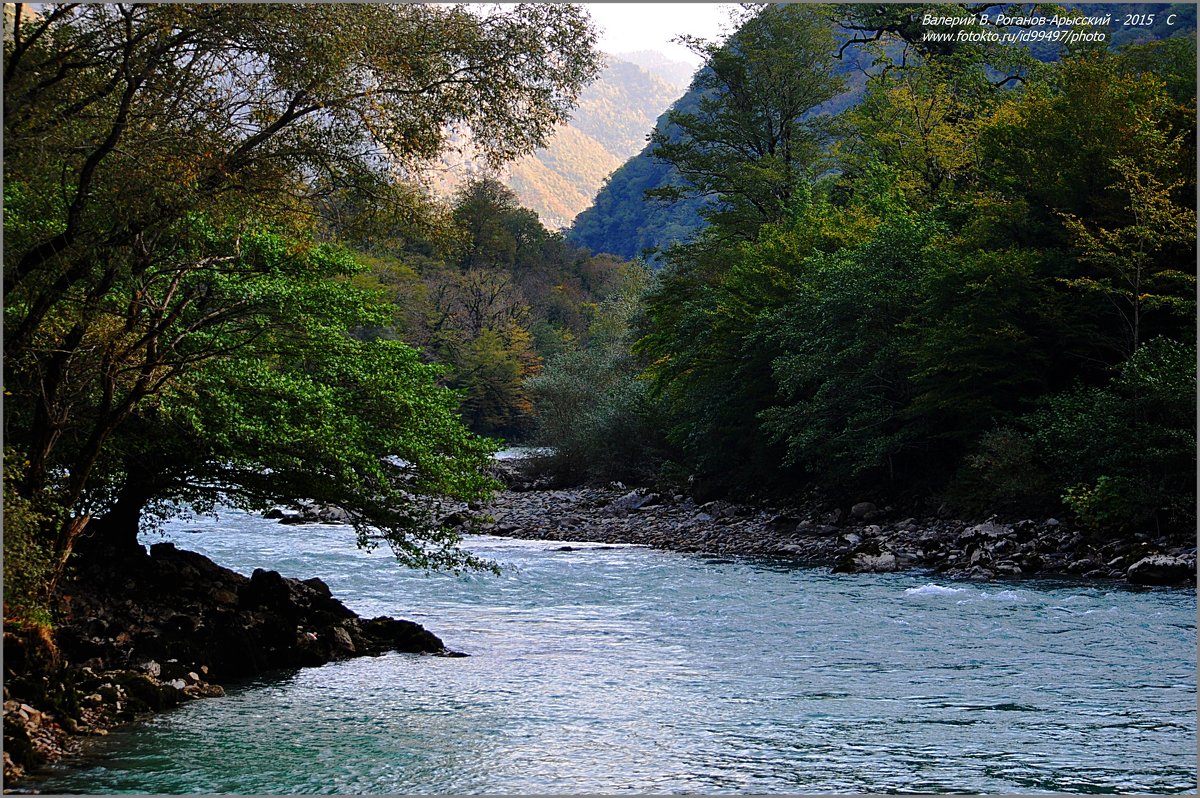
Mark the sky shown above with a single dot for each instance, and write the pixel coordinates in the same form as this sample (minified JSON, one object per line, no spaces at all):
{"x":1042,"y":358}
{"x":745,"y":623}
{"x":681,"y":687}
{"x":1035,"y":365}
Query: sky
{"x":625,"y":27}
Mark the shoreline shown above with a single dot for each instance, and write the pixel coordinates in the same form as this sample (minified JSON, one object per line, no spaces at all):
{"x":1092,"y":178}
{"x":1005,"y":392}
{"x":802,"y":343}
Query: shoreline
{"x":115,"y":660}
{"x":861,"y":538}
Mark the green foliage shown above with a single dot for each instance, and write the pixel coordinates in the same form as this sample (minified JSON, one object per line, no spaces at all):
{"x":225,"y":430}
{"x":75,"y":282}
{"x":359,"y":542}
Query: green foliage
{"x":489,"y":370}
{"x":491,"y":294}
{"x":593,"y":412}
{"x":980,"y":341}
{"x":28,"y":551}
{"x":752,"y":140}
{"x":842,"y":374}
{"x":1110,"y":503}
{"x":1136,"y":266}
{"x":1118,"y":455}
{"x":359,"y":425}
{"x":979,"y":246}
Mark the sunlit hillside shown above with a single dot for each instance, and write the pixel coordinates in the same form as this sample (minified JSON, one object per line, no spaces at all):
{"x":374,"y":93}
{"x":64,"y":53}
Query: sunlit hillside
{"x":609,"y":126}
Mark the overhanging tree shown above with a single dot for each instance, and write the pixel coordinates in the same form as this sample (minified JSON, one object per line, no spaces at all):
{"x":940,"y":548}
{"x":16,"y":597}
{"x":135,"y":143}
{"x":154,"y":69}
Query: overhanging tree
{"x":147,"y":148}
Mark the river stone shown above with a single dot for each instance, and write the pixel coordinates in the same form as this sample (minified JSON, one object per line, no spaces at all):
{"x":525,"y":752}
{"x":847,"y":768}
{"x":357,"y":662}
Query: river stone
{"x":630,"y":501}
{"x":863,"y":562}
{"x":341,"y":640}
{"x":222,"y":596}
{"x":319,"y":585}
{"x":987,"y":531}
{"x":1160,"y":569}
{"x":861,"y":509}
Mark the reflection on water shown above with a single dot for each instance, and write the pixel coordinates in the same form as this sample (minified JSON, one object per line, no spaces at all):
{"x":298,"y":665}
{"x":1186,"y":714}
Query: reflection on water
{"x":624,"y":669}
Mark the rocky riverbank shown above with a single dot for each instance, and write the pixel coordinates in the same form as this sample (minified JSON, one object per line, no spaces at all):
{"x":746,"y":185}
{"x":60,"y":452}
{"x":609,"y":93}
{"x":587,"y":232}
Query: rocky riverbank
{"x":857,"y":538}
{"x":148,"y":631}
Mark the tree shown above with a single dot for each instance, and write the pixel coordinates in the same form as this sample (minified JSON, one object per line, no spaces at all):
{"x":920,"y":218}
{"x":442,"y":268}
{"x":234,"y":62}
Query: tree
{"x":755,"y":137}
{"x":1141,"y":265}
{"x":148,"y":148}
{"x":921,"y":125}
{"x":593,"y":411}
{"x":843,"y":382}
{"x":703,"y":340}
{"x":1094,"y":166}
{"x":306,"y":413}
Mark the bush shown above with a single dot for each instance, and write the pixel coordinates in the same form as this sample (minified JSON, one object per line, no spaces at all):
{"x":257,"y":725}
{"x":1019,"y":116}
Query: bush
{"x":1112,"y":503}
{"x":1118,"y":457}
{"x":596,"y":417}
{"x":592,"y":408}
{"x":28,"y":554}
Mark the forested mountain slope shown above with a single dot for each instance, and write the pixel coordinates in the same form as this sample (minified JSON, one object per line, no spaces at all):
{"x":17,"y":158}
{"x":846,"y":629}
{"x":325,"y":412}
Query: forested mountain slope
{"x":675,"y":73}
{"x":622,"y":221}
{"x":609,"y":124}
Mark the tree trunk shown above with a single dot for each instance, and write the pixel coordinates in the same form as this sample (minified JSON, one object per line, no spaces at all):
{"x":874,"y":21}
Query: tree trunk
{"x":115,"y":533}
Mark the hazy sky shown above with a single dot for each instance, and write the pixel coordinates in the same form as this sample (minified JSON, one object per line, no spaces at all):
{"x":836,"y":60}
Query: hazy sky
{"x":651,"y":26}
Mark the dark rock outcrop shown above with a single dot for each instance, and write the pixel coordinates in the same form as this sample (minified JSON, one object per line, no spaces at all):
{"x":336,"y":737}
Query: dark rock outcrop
{"x":180,"y":605}
{"x":145,"y":632}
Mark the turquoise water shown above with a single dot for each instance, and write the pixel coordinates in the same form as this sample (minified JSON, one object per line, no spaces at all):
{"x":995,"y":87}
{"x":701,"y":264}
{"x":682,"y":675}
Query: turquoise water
{"x":624,"y":669}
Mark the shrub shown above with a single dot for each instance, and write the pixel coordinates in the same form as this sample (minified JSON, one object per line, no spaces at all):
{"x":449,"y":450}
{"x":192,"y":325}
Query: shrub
{"x":28,"y":555}
{"x":1118,"y":456}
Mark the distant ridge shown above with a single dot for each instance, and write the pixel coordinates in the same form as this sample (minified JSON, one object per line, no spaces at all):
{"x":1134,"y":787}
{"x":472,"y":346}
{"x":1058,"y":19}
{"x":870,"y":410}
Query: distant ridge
{"x":610,"y":124}
{"x":676,"y":73}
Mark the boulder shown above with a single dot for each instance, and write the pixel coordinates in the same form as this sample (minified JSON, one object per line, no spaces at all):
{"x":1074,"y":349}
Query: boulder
{"x":634,"y":500}
{"x":987,"y":532}
{"x":1161,"y":569}
{"x":864,"y":562}
{"x":861,"y":509}
{"x":333,"y":515}
{"x":391,"y":634}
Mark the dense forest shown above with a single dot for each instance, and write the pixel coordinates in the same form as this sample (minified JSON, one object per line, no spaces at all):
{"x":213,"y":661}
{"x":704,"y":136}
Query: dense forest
{"x":973,"y":288}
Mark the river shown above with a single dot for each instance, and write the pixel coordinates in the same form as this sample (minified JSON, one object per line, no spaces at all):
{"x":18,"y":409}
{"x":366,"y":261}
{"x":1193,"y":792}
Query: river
{"x":625,"y":669}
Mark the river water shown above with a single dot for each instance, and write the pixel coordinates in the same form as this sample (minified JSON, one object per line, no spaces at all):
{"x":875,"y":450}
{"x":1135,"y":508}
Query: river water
{"x":625,"y":669}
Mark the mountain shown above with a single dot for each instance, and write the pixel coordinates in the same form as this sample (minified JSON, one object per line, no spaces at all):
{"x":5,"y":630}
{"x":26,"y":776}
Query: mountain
{"x":559,"y":181}
{"x":621,"y":221}
{"x":675,"y":73}
{"x":609,"y":125}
